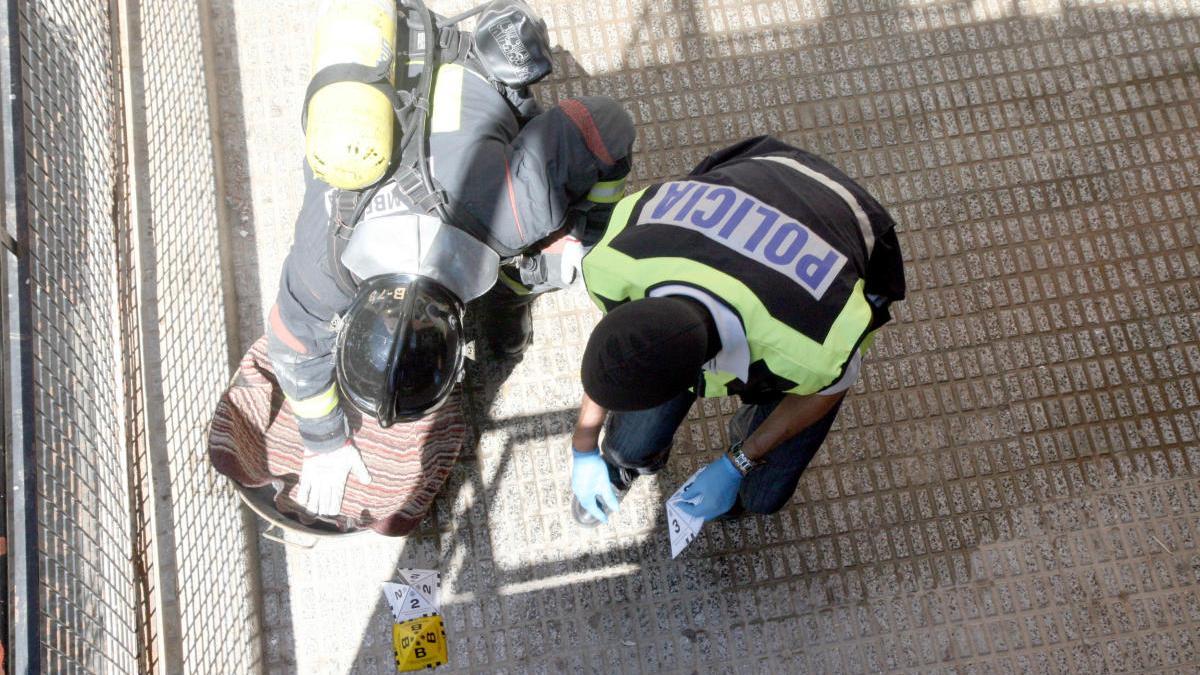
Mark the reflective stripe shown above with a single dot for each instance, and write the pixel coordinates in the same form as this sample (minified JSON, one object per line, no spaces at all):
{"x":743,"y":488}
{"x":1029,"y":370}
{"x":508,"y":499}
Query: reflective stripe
{"x":512,"y":200}
{"x":514,"y":285}
{"x":446,"y":112}
{"x":864,"y":223}
{"x":867,"y":342}
{"x":316,"y":406}
{"x":280,"y":330}
{"x":607,"y":192}
{"x":579,"y":114}
{"x":620,"y":216}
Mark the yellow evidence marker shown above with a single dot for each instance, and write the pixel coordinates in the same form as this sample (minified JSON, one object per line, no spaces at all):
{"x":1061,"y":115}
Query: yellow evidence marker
{"x":419,"y":643}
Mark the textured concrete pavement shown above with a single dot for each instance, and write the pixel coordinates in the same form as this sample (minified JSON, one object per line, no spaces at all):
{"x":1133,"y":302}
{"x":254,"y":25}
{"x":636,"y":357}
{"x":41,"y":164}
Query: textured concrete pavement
{"x":1012,"y":485}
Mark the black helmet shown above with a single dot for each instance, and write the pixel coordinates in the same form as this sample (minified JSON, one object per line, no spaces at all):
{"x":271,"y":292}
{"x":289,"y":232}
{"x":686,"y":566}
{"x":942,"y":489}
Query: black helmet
{"x":512,"y":43}
{"x":400,"y":349}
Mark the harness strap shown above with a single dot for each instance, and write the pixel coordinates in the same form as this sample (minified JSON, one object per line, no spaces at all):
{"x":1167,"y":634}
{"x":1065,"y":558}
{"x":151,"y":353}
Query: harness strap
{"x":437,"y":203}
{"x":373,"y":76}
{"x":410,"y":170}
{"x":344,"y":212}
{"x":345,"y":202}
{"x":454,"y":44}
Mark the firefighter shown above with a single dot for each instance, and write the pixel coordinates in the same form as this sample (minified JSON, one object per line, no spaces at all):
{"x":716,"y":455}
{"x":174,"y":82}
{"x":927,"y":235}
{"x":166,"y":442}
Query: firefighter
{"x":762,"y":274}
{"x":372,"y":294}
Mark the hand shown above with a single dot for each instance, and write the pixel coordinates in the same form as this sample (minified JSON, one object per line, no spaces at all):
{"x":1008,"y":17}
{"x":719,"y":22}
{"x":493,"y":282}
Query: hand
{"x":717,"y":486}
{"x":590,"y":483}
{"x":570,"y":260}
{"x":323,"y":479}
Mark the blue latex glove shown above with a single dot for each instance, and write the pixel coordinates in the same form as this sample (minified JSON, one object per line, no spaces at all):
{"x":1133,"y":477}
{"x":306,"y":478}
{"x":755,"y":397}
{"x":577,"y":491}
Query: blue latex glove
{"x":591,"y":485}
{"x":718,"y":483}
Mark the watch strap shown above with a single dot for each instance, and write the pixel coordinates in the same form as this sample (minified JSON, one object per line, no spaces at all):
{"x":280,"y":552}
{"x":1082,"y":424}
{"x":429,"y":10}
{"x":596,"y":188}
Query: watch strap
{"x":740,"y":461}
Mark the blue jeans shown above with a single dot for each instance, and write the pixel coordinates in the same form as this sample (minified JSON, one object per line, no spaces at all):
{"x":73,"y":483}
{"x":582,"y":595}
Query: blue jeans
{"x":640,"y":443}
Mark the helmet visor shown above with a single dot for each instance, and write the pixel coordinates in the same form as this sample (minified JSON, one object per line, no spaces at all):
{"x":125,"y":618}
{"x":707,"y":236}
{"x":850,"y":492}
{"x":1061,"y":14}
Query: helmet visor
{"x":400,"y":349}
{"x":429,"y":356}
{"x":364,"y":356}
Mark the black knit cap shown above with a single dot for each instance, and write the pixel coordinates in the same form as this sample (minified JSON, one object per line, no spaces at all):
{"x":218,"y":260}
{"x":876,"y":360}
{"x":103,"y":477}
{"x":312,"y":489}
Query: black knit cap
{"x":645,"y":352}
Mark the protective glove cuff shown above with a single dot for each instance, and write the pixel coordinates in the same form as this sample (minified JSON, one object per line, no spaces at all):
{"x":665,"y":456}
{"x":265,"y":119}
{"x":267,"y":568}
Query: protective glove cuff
{"x":324,"y":434}
{"x":726,"y":467}
{"x":586,"y":453}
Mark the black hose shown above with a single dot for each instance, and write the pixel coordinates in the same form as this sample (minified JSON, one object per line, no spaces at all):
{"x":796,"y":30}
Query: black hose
{"x":425,"y":89}
{"x":461,"y":17}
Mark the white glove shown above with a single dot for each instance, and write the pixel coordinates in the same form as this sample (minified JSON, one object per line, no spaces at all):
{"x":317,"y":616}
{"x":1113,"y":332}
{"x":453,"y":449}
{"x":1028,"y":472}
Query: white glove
{"x":570,"y":260}
{"x":323,"y":479}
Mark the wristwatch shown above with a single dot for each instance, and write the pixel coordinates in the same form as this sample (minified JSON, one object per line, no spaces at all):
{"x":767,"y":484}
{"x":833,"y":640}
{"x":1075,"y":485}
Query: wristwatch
{"x":741,"y":462}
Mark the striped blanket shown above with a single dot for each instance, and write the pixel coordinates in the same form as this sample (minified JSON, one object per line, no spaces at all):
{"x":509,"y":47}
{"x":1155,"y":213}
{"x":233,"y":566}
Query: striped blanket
{"x":253,"y":439}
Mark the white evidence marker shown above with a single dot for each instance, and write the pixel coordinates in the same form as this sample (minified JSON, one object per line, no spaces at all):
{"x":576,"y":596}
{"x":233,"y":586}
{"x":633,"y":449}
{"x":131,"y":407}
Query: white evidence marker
{"x":682,"y":527}
{"x":426,"y":582}
{"x":417,"y":597}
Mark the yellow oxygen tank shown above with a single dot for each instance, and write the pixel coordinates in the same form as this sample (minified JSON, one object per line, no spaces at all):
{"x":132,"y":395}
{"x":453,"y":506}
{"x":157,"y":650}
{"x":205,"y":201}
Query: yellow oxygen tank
{"x":348,"y":133}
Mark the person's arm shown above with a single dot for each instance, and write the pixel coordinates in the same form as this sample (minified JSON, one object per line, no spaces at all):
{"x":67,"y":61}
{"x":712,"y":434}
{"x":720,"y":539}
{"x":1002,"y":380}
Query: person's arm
{"x":304,"y":370}
{"x":300,"y":335}
{"x":715,"y":488}
{"x":522,"y":184}
{"x":587,"y":427}
{"x":589,"y":187}
{"x":590,"y":481}
{"x":573,"y":157}
{"x":300,"y":344}
{"x":793,"y":415}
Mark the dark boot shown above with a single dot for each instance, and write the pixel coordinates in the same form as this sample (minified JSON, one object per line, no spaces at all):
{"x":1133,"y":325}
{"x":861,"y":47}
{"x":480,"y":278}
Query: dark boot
{"x":508,"y":321}
{"x":509,"y":329}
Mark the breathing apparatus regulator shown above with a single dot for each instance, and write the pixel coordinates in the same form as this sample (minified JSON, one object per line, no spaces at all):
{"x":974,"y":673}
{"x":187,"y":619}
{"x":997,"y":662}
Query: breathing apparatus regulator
{"x":366,"y":123}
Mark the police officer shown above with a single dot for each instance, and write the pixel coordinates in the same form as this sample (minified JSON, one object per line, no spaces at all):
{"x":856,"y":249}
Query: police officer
{"x":763,"y":274}
{"x":371,"y":311}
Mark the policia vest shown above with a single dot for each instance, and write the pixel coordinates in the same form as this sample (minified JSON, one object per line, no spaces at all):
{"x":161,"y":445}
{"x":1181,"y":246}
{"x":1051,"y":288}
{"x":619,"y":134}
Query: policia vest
{"x":804,"y":256}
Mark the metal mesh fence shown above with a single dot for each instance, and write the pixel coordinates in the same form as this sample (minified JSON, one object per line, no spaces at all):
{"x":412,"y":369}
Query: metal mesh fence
{"x":136,"y":555}
{"x":214,"y":577}
{"x":86,"y":614}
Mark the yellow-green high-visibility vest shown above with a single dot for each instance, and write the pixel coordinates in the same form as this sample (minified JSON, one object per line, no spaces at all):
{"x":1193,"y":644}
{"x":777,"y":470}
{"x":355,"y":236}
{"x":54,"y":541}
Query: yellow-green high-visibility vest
{"x":783,"y":240}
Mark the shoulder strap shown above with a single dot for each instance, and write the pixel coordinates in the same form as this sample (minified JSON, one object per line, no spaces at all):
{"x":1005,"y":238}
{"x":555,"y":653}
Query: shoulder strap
{"x":345,"y":208}
{"x":410,"y":164}
{"x":454,"y":44}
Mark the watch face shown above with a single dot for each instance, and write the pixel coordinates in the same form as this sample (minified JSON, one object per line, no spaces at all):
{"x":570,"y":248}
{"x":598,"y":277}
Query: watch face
{"x":740,"y":461}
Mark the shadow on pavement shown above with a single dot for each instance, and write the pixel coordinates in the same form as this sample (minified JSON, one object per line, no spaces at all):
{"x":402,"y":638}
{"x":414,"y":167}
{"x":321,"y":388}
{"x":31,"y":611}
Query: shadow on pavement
{"x":988,"y":494}
{"x":235,"y":168}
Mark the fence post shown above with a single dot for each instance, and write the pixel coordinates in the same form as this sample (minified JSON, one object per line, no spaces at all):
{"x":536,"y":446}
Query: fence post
{"x":21,"y":643}
{"x":168,"y":643}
